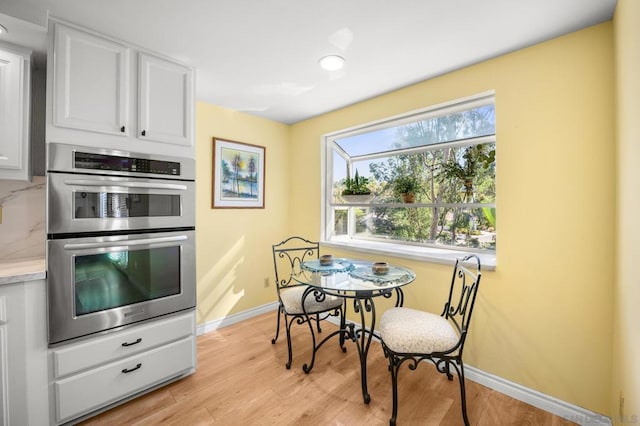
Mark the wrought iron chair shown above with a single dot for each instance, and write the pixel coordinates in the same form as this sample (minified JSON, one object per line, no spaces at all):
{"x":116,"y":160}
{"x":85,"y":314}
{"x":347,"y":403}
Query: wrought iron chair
{"x":411,"y":336}
{"x":288,"y":256}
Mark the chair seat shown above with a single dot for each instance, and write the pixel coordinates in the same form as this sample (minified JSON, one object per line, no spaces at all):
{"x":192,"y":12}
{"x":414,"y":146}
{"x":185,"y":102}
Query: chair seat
{"x":405,"y":330}
{"x":292,"y":301}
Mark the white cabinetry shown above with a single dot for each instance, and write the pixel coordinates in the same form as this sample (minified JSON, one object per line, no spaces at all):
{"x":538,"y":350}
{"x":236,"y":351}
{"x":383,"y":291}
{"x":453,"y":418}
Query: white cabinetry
{"x":110,"y":94}
{"x":121,"y":364}
{"x":23,"y":354}
{"x":165,"y":100}
{"x":15,"y":108}
{"x":91,"y":82}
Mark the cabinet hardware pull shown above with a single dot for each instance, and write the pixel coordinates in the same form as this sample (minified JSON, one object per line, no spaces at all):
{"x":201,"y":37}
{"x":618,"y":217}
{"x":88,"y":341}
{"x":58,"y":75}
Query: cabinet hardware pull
{"x":144,"y":133}
{"x":127,"y":370}
{"x":138,"y":340}
{"x":122,"y":129}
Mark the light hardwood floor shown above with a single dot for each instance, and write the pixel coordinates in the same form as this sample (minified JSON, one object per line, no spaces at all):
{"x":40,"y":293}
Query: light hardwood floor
{"x":241,"y":380}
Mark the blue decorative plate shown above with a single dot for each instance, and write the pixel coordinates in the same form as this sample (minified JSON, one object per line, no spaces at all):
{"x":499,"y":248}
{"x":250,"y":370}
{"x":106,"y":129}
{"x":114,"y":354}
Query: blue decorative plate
{"x":338,"y":265}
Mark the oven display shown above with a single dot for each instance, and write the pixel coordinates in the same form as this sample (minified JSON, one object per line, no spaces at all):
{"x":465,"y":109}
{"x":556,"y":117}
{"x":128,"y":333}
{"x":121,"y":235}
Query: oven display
{"x":89,"y":161}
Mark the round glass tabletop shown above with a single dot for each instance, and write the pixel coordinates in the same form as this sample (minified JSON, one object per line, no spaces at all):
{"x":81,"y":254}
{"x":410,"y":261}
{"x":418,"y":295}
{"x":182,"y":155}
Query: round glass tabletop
{"x":353,"y":275}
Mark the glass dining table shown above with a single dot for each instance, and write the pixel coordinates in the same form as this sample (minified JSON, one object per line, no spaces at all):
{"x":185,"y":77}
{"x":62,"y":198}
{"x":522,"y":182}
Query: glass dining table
{"x":356,"y":282}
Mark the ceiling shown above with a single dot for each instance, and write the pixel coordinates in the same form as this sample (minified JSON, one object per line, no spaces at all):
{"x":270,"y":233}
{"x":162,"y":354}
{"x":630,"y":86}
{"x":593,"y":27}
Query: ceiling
{"x":261,"y":57}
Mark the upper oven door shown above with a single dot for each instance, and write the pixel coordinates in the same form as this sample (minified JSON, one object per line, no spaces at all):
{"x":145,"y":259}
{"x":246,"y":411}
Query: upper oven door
{"x":90,"y":203}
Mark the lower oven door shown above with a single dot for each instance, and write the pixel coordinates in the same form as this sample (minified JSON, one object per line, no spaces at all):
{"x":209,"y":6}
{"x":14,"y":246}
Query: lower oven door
{"x":99,"y":283}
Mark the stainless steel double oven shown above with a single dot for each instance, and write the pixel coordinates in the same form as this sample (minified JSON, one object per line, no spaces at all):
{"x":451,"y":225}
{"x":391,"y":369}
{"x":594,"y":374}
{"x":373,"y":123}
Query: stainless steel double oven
{"x":121,"y":239}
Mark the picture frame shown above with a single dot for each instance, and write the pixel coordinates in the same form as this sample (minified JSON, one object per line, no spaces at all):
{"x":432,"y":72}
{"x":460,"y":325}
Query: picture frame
{"x":238,"y":175}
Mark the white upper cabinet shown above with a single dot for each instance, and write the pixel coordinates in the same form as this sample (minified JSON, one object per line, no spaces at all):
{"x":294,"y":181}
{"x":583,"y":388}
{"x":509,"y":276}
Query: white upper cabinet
{"x":91,"y":82}
{"x":108,"y":93}
{"x":15,"y":94}
{"x":165,"y":101}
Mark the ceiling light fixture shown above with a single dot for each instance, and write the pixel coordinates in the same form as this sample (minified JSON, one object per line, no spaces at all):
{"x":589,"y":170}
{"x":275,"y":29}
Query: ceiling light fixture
{"x":331,"y":62}
{"x":3,"y":29}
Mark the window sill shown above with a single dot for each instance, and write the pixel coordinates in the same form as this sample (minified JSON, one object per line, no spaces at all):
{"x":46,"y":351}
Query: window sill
{"x":425,"y":254}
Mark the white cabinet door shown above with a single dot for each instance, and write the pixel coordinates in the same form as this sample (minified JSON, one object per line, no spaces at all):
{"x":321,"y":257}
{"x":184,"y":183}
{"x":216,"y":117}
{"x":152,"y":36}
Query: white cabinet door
{"x":109,"y":383}
{"x":91,"y":89}
{"x":23,"y":354}
{"x":4,"y":361}
{"x":15,"y":72}
{"x":157,"y":351}
{"x":87,"y":354}
{"x":165,"y":100}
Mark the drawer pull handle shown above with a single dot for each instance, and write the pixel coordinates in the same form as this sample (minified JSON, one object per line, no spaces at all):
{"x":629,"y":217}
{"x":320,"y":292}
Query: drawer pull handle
{"x":138,"y":340}
{"x":126,"y":370}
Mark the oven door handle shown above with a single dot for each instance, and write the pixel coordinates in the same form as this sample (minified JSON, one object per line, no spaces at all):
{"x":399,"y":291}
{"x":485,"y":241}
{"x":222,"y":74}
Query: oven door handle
{"x":103,"y":244}
{"x":125,"y":184}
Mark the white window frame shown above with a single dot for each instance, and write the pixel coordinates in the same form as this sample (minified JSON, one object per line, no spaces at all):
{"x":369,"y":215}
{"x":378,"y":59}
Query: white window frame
{"x":397,"y":249}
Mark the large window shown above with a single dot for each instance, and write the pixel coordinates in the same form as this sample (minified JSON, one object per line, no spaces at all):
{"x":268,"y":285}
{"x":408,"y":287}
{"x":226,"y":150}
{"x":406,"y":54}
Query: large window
{"x":444,"y":156}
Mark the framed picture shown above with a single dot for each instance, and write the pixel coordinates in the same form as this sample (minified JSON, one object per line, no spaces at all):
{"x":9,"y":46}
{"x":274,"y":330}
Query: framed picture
{"x":238,"y":175}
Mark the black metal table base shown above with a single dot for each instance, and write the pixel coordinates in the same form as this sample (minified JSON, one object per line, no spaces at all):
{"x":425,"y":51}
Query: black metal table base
{"x":361,"y":335}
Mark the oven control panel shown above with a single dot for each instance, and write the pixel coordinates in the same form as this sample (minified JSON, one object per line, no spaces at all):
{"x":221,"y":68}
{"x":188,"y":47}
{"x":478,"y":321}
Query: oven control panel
{"x":93,"y":161}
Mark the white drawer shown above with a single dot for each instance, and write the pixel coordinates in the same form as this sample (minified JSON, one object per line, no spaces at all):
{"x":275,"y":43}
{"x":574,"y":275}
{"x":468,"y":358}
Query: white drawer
{"x":93,"y":389}
{"x":102,"y":349}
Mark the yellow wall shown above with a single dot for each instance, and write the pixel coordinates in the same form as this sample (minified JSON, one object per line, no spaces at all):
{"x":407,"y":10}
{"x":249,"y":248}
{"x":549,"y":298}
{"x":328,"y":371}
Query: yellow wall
{"x":626,"y":359}
{"x":234,"y":245}
{"x":544,"y":317}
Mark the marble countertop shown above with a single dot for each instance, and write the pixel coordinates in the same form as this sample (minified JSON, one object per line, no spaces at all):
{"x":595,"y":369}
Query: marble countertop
{"x":22,"y":270}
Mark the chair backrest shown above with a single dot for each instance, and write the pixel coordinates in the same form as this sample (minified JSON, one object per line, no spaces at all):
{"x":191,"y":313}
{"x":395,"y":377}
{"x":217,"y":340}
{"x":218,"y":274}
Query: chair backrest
{"x":288,"y":255}
{"x":462,"y":294}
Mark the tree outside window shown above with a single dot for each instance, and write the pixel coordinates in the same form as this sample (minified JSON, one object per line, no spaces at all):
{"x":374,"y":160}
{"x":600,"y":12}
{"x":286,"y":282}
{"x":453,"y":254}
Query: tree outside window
{"x":445,"y":156}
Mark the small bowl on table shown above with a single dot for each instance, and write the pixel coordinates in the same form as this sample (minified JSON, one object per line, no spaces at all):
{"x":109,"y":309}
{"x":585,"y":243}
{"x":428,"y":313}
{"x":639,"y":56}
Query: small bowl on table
{"x":326,"y":260}
{"x":380,"y":268}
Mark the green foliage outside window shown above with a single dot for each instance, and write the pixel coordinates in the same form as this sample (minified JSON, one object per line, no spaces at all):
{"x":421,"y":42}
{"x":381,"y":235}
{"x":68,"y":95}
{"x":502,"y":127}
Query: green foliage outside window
{"x":454,"y":183}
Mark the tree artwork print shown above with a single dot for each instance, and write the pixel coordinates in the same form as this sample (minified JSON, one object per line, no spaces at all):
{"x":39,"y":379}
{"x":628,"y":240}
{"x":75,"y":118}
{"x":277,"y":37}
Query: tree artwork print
{"x":240,"y":180}
{"x":238,"y":175}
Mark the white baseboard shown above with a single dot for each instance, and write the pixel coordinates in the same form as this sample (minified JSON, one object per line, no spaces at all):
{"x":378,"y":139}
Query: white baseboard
{"x":234,"y":318}
{"x":568,"y":411}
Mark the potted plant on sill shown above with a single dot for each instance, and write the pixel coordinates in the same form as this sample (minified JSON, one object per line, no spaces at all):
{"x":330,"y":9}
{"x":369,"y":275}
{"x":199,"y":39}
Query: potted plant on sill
{"x":406,"y":186}
{"x":356,"y":190}
{"x":476,"y":158}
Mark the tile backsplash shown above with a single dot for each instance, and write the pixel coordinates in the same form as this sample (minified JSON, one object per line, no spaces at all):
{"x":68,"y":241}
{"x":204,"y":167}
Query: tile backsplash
{"x":22,"y":231}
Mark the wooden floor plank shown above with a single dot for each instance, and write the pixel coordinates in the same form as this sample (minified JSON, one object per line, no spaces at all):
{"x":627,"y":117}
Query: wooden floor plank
{"x":241,"y":379}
